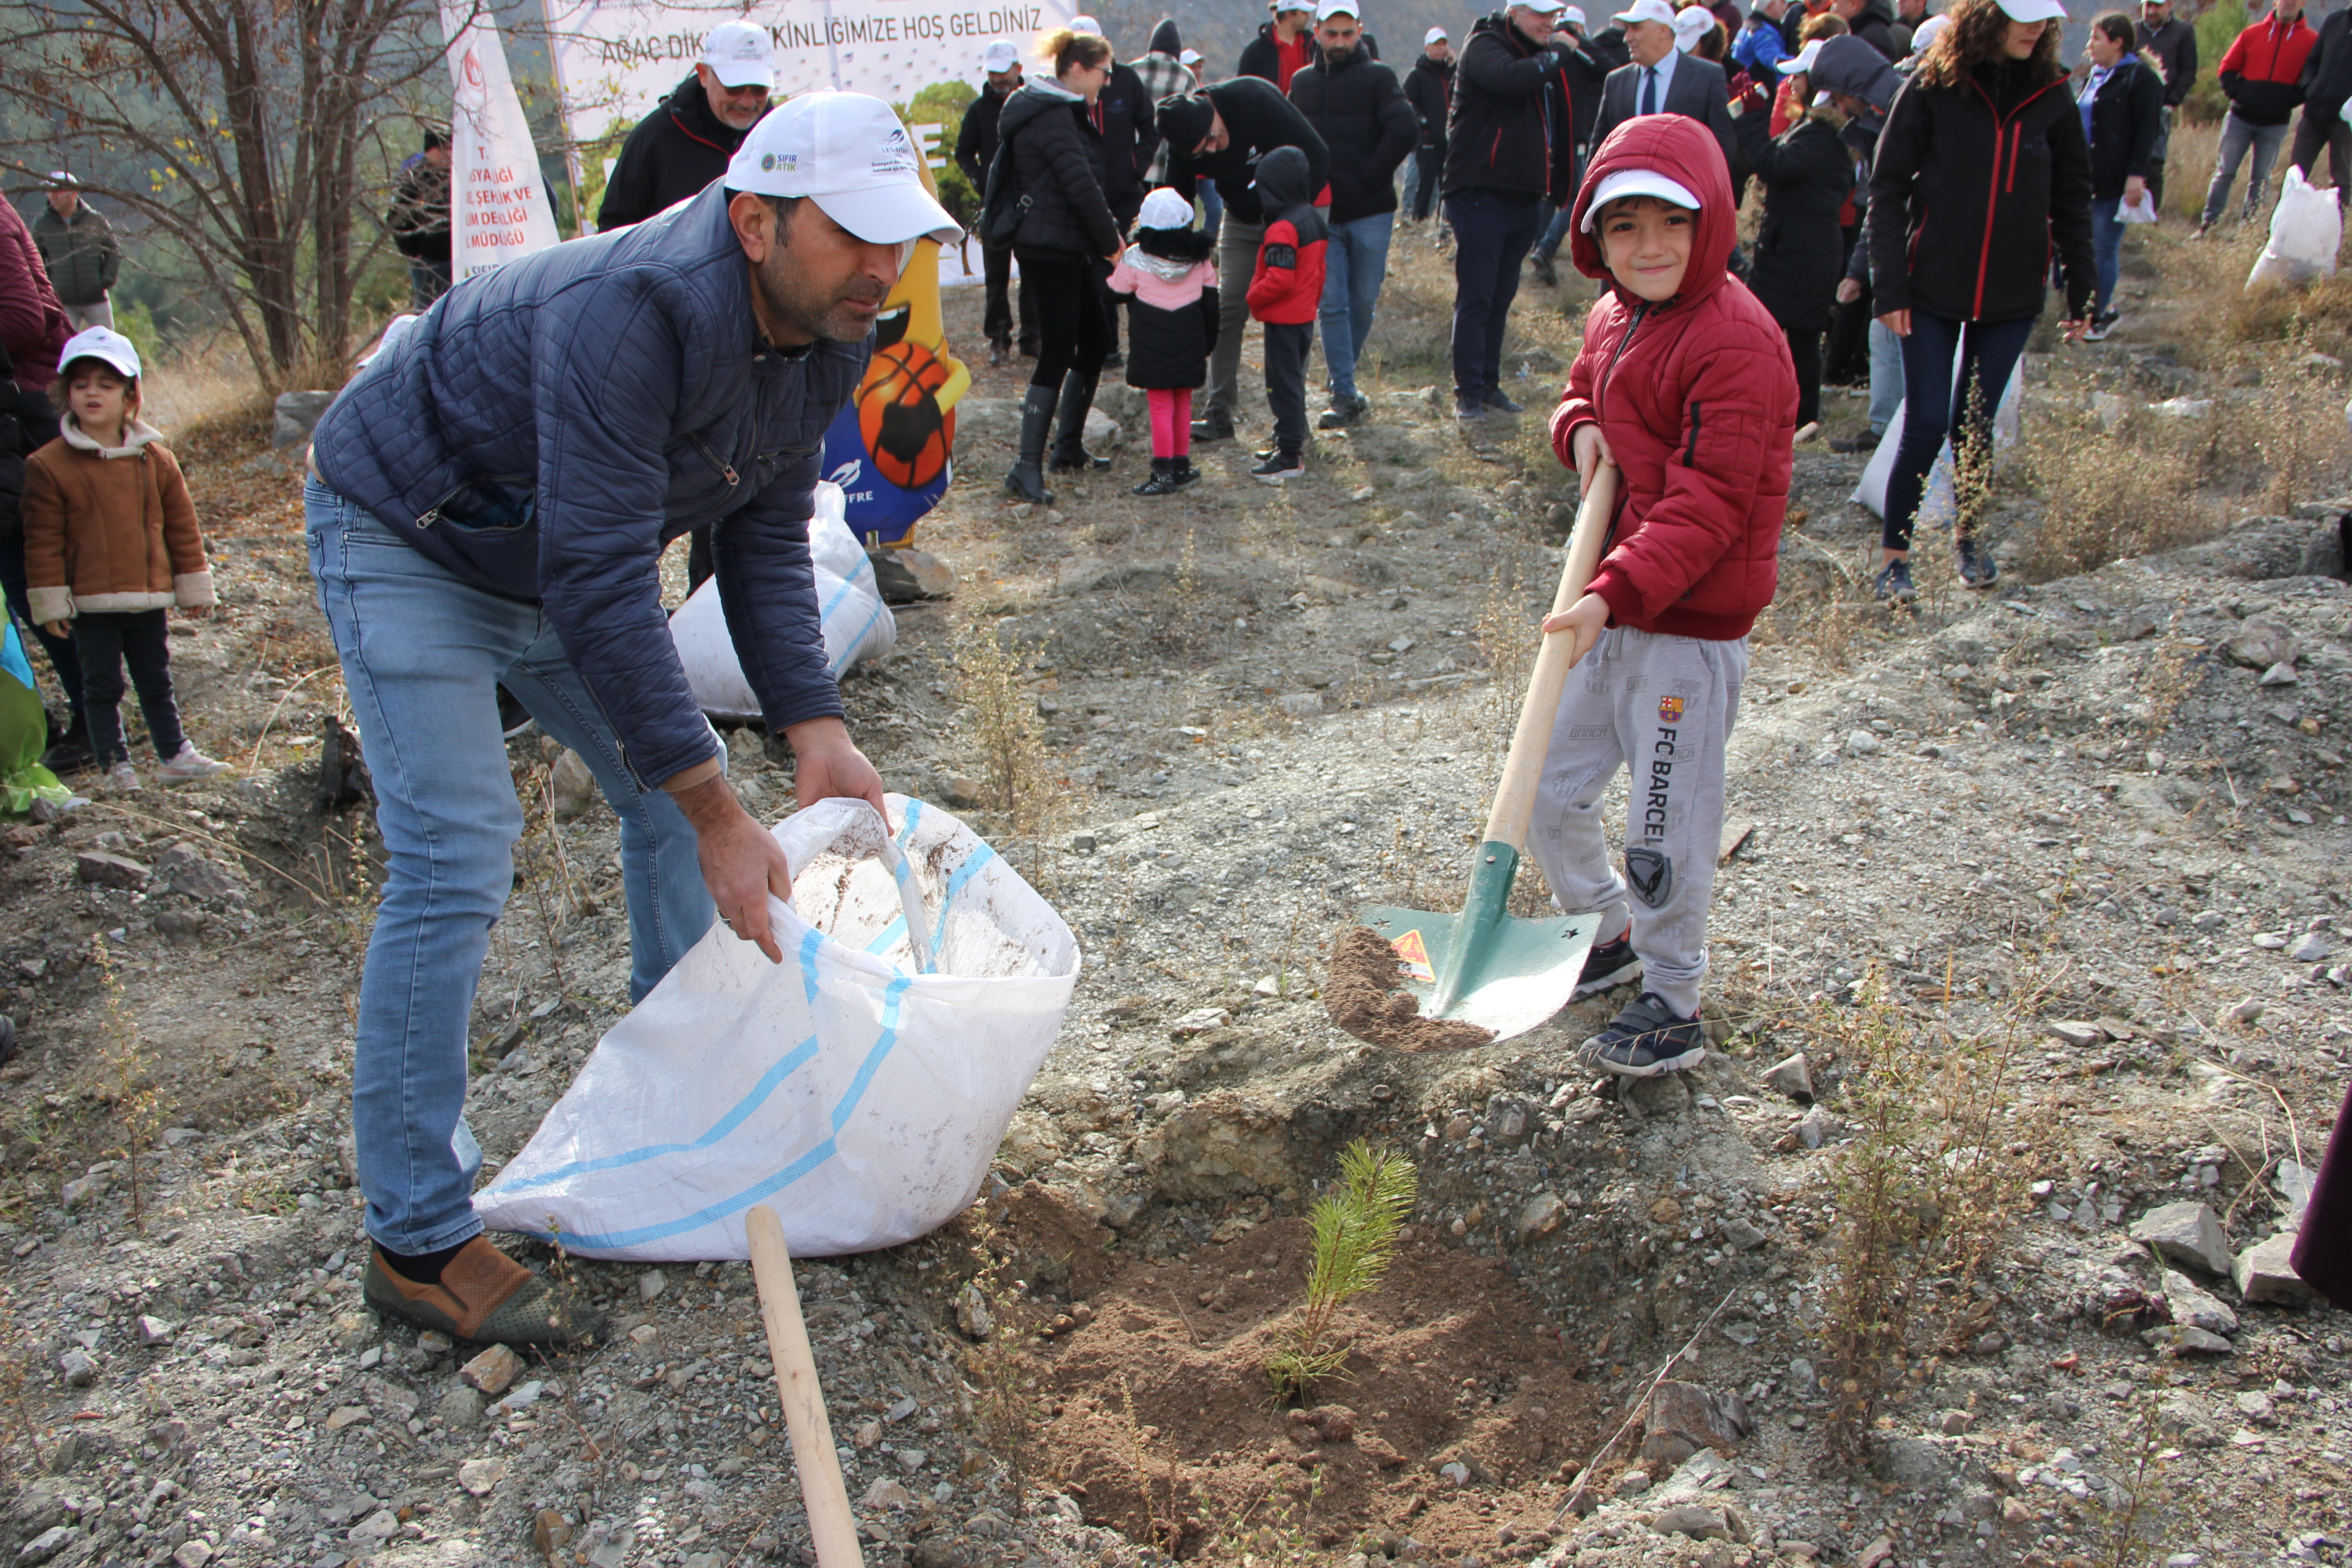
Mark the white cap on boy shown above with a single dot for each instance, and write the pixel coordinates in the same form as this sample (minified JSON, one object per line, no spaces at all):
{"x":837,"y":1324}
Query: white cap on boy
{"x":849,"y":154}
{"x":740,"y":54}
{"x":1637,"y":183}
{"x":101,"y":343}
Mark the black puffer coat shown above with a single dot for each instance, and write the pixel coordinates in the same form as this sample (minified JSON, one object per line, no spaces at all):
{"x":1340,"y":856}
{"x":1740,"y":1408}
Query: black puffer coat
{"x":1169,"y":349}
{"x":1362,"y":113}
{"x":2125,"y":120}
{"x":1513,"y":131}
{"x":1057,"y":158}
{"x":1130,"y":139}
{"x":1800,"y":252}
{"x":673,"y":152}
{"x":1428,"y":88}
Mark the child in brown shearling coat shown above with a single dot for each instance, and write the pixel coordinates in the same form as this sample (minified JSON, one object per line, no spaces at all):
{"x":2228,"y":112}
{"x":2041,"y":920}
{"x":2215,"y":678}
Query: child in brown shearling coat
{"x":110,"y":544}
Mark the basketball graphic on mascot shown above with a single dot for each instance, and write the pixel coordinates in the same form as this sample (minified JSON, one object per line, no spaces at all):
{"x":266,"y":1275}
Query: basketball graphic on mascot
{"x":907,"y":433}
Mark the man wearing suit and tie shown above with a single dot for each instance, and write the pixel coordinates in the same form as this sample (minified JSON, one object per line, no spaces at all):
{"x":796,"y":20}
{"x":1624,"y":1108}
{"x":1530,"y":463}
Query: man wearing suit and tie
{"x":1662,"y":80}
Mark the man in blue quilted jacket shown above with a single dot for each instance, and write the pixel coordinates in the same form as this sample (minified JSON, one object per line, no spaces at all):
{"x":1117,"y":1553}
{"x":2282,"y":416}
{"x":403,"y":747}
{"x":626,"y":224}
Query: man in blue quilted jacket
{"x":489,"y":503}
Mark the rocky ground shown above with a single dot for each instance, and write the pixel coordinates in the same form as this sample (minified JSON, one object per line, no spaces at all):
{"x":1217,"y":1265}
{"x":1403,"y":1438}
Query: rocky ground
{"x":2092,"y":829}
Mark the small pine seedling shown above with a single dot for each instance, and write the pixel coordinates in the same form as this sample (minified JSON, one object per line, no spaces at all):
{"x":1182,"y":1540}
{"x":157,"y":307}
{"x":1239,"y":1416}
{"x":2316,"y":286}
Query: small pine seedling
{"x":1355,"y":1241}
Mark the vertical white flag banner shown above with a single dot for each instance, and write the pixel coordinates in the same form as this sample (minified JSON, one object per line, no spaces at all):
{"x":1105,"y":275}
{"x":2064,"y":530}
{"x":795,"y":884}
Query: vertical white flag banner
{"x":498,"y":209}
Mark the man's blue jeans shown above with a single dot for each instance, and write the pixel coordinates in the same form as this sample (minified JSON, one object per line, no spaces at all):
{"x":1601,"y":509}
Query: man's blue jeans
{"x":1355,"y":264}
{"x":1491,"y":236}
{"x":423,"y":657}
{"x":1886,"y":377}
{"x":2106,"y":249}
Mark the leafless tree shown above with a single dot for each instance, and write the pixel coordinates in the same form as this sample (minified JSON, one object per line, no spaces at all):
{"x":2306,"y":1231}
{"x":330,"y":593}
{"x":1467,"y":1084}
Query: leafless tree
{"x":258,"y":129}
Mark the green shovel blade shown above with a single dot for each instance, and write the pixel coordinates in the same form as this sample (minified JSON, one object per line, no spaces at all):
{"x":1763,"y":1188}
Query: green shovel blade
{"x":1482,"y":966}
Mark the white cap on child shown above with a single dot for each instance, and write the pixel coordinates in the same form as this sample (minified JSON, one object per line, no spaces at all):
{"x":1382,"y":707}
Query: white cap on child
{"x":1637,"y":183}
{"x":1164,"y":208}
{"x":1188,"y":57}
{"x":102,"y":343}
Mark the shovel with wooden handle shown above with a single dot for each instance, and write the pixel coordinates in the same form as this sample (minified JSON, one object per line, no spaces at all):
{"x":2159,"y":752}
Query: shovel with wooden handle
{"x":833,"y":1529}
{"x":1482,"y":966}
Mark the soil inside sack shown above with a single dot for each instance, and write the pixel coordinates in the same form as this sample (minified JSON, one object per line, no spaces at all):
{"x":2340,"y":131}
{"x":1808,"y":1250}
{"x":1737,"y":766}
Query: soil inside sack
{"x":1361,"y":993}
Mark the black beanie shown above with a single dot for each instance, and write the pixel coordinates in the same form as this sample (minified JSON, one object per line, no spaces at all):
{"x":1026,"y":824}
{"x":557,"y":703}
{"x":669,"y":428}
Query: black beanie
{"x":1183,"y":122}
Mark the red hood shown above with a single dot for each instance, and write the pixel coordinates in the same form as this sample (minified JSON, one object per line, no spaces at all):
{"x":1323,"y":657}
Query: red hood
{"x":1686,"y":152}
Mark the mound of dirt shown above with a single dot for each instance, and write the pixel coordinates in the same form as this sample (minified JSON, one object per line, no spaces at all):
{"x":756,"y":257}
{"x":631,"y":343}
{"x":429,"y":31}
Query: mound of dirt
{"x":1162,"y":1386}
{"x":1362,"y":993}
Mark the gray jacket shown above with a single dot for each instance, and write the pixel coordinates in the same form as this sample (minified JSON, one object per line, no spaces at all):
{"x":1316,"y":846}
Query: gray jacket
{"x":80,"y":252}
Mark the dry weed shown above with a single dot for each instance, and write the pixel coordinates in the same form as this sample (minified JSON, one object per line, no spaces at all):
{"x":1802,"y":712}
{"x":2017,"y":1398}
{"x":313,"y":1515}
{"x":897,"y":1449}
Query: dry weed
{"x":126,"y":1071}
{"x":2105,"y":496}
{"x":1021,"y":777}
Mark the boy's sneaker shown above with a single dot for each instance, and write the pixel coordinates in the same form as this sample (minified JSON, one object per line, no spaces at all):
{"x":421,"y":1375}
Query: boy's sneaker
{"x":1608,"y":965}
{"x":482,"y":1294}
{"x":1344,"y":412}
{"x":2101,"y":325}
{"x":122,"y":777}
{"x":1893,"y":583}
{"x":1866,"y":442}
{"x":189,"y":765}
{"x":1278,"y":467}
{"x":1500,"y":402}
{"x":1469,"y":409}
{"x":1545,"y":267}
{"x":1978,"y":568}
{"x":1646,"y":1040}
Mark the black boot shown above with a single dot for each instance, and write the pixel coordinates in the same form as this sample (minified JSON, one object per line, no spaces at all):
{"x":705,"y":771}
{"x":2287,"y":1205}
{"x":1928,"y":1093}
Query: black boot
{"x":1027,"y":480}
{"x":1070,"y":454}
{"x":1182,"y":470}
{"x":71,"y":752}
{"x":1162,"y":482}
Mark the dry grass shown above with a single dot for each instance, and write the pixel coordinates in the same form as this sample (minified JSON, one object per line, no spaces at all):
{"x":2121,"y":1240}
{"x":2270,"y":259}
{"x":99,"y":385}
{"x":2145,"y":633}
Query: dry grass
{"x":2105,"y":495}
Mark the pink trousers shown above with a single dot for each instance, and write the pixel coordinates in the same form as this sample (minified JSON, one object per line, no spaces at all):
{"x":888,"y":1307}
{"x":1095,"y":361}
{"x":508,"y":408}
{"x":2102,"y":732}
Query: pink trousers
{"x":1172,"y":421}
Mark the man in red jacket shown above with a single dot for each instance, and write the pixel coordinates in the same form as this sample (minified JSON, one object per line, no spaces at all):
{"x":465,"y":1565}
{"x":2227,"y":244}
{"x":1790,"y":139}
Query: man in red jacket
{"x":2262,"y":74}
{"x":1684,"y":383}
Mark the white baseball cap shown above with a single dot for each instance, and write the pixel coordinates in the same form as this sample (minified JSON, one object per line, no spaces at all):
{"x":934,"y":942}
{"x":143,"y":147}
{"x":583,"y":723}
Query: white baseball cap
{"x":60,"y":181}
{"x":1645,"y":11}
{"x":1637,"y":183}
{"x":1691,"y":23}
{"x":740,"y":54}
{"x":1572,"y":14}
{"x":2032,"y":10}
{"x":1188,"y":57}
{"x":1434,"y":35}
{"x":848,"y":153}
{"x":1330,"y":8}
{"x":1083,"y":23}
{"x":1802,"y":60}
{"x":102,"y":343}
{"x":1927,"y":33}
{"x":1279,"y":6}
{"x":1002,"y":54}
{"x":1542,"y":8}
{"x":1164,"y":208}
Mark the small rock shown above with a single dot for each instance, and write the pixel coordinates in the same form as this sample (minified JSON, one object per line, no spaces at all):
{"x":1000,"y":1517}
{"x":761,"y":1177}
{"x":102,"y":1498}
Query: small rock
{"x":1863,"y":743}
{"x":650,"y":1284}
{"x":972,"y":1315}
{"x":95,"y":866}
{"x":152,"y":1331}
{"x":1953,"y":1423}
{"x":47,"y":1545}
{"x":2280,"y":674}
{"x":192,"y":1553}
{"x":1691,"y":1519}
{"x":2197,"y":1307}
{"x":551,"y":1532}
{"x":2186,"y":1232}
{"x":1803,"y":1381}
{"x":2178,"y":1339}
{"x":2260,"y":643}
{"x":381,"y":1525}
{"x":1742,"y":1236}
{"x":1540,"y":1215}
{"x":961,"y":791}
{"x":492,"y":1371}
{"x":1818,"y":1127}
{"x":459,"y":1408}
{"x":1704,"y":1418}
{"x":2312,"y":949}
{"x":480,"y":1477}
{"x":887,"y":1493}
{"x":1791,"y":1076}
{"x":80,"y":1190}
{"x":79,"y":1367}
{"x":433,"y":1342}
{"x":865,"y":1434}
{"x":522,"y":1398}
{"x":1199,"y":1022}
{"x":2258,"y":1408}
{"x":2070,"y":1032}
{"x":1632,"y":1483}
{"x":346,"y":1416}
{"x":2248,"y":1011}
{"x":1454,"y":1473}
{"x":910,"y":1459}
{"x":2264,"y":1274}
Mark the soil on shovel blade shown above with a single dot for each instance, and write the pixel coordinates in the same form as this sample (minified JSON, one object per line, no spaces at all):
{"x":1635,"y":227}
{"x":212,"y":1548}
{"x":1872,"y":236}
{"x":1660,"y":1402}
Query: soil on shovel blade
{"x":1162,"y":1385}
{"x":1361,"y":993}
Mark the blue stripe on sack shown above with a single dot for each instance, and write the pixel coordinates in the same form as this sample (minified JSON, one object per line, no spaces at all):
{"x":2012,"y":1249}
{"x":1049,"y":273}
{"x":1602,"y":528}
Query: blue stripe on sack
{"x":811,"y":946}
{"x":792,"y":1061}
{"x":770,"y":1186}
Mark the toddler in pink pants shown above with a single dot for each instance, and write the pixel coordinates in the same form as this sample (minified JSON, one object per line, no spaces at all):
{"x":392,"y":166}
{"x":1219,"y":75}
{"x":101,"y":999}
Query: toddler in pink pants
{"x":1169,"y":278}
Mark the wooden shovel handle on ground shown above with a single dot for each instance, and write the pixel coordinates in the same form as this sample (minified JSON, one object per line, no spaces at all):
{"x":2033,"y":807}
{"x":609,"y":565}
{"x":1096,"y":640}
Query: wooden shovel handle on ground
{"x":1514,"y":796}
{"x":832,"y":1527}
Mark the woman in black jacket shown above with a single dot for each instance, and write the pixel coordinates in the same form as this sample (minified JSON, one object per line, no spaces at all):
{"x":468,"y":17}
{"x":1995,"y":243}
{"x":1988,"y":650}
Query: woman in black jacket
{"x":1807,"y":172}
{"x":1048,"y":129}
{"x":2122,"y":101}
{"x":1982,"y":174}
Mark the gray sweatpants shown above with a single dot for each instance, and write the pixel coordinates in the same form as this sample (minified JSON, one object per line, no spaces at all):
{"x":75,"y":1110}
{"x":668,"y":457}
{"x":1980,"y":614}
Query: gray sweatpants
{"x":1237,"y":246}
{"x":1664,"y":706}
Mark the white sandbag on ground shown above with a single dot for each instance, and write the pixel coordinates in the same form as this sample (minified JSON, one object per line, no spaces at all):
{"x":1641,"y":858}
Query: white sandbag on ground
{"x":857,"y":624}
{"x":1935,"y":500}
{"x":2306,"y":230}
{"x":860,"y":1088}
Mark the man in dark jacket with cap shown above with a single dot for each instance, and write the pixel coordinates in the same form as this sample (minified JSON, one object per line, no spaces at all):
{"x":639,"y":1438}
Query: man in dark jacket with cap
{"x":488,"y":504}
{"x":975,"y":150}
{"x":1218,"y":135}
{"x":1428,"y":88}
{"x":419,"y":218}
{"x":1354,"y":105}
{"x":1872,"y":22}
{"x":2172,"y":42}
{"x":1511,"y":147}
{"x":685,"y":142}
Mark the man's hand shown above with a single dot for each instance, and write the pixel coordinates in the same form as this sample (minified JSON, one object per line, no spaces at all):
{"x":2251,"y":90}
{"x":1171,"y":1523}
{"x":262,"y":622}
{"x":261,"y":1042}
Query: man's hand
{"x":2135,"y":187}
{"x":1590,"y":448}
{"x":742,"y":861}
{"x":1583,"y":624}
{"x":1849,"y":290}
{"x":828,"y":764}
{"x":1897,"y":321}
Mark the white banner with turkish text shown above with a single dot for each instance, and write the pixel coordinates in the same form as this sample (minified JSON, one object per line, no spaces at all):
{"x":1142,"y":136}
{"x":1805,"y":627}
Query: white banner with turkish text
{"x":499,"y":208}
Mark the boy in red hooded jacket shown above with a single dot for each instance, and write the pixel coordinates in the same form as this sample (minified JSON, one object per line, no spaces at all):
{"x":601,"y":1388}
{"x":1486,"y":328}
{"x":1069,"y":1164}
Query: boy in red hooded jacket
{"x":1285,"y":293}
{"x":1684,"y":383}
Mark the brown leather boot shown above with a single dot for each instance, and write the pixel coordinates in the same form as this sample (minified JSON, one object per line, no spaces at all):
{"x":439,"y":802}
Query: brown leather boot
{"x":483,"y":1294}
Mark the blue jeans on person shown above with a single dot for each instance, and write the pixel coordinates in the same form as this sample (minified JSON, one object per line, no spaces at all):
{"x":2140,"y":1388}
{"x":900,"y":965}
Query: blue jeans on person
{"x":1491,"y":233}
{"x":1212,"y":210}
{"x":2238,"y":137}
{"x":1987,"y":352}
{"x":423,"y":656}
{"x":1355,"y":263}
{"x":2107,"y":249}
{"x":1886,"y":377}
{"x":1555,"y":229}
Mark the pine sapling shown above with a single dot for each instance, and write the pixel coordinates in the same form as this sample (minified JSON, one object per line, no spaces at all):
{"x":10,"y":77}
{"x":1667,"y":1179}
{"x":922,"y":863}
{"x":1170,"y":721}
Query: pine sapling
{"x":1355,"y":1241}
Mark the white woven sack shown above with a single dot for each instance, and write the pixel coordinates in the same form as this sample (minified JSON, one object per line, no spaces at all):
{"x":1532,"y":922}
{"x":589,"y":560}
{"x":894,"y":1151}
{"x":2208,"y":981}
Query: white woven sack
{"x":1934,"y":500}
{"x":857,"y":624}
{"x":860,"y":1088}
{"x":2306,"y":230}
